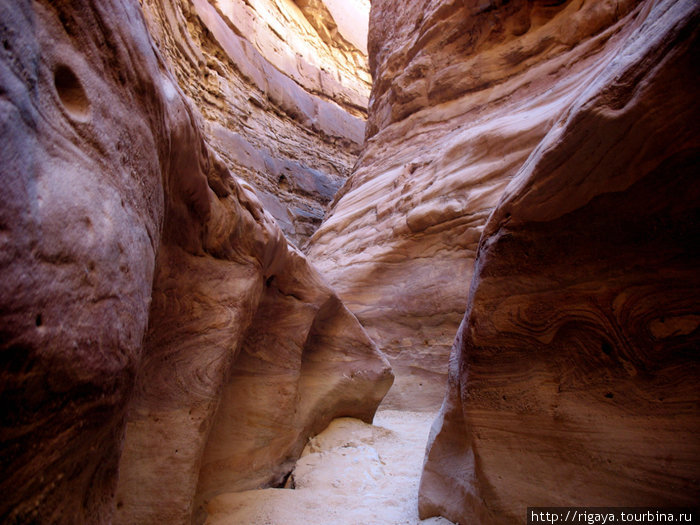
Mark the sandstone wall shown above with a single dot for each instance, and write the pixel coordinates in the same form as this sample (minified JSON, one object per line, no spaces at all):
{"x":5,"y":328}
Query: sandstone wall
{"x":573,"y":379}
{"x":282,"y":89}
{"x":463,"y":94}
{"x":135,"y":269}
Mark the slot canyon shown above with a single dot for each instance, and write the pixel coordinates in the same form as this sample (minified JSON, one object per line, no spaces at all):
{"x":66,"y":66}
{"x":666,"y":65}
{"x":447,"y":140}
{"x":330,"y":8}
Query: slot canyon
{"x":347,"y":261}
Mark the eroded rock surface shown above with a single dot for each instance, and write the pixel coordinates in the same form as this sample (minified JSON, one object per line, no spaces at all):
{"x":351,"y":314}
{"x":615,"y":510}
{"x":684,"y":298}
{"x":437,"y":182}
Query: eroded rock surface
{"x":135,"y":268}
{"x":463,"y":94}
{"x":80,"y":220}
{"x":351,"y":473}
{"x":573,"y":380}
{"x":283,"y":88}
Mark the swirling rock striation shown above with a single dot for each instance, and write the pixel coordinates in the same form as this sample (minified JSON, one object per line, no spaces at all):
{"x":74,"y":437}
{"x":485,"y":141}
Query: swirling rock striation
{"x":463,"y":94}
{"x":573,"y":379}
{"x":135,"y":269}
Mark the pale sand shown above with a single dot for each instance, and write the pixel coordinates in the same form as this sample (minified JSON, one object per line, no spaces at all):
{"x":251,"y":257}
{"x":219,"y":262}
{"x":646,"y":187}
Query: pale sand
{"x":351,"y":474}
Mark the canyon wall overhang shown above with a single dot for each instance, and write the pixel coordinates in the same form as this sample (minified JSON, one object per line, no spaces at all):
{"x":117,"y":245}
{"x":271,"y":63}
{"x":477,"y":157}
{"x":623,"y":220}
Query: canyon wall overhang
{"x":574,"y":376}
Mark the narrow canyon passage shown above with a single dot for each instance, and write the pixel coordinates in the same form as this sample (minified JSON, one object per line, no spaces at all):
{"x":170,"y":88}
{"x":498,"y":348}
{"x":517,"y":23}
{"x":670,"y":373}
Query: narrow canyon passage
{"x":248,"y":244}
{"x":350,"y":474}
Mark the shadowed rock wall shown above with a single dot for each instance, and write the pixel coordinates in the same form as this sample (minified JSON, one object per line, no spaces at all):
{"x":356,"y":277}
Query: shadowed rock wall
{"x":573,"y":378}
{"x":134,"y":269}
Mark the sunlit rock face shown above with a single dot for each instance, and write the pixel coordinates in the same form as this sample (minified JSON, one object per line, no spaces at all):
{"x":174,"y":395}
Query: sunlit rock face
{"x":573,"y":379}
{"x":283,"y":86}
{"x":464,"y":92}
{"x":135,"y":269}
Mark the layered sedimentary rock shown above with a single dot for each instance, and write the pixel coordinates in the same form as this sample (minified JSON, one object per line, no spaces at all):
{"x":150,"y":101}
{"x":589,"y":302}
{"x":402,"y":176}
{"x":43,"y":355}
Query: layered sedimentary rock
{"x":206,"y":420}
{"x":463,"y":94}
{"x":573,"y":380}
{"x":135,"y":268}
{"x":283,"y":88}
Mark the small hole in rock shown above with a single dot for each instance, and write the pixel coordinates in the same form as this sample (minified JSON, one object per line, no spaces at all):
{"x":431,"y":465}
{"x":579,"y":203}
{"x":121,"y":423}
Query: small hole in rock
{"x":38,"y":321}
{"x":609,"y":395}
{"x":71,"y":93}
{"x":606,"y":348}
{"x":287,"y":482}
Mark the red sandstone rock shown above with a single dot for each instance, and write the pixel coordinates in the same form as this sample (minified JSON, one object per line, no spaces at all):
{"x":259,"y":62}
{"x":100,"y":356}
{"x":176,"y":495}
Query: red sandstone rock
{"x":573,"y":379}
{"x":463,"y":94}
{"x":133,"y":268}
{"x":83,"y":151}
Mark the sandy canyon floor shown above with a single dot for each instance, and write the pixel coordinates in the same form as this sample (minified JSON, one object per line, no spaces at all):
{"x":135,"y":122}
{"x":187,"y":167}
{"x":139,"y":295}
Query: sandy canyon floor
{"x":350,"y":474}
